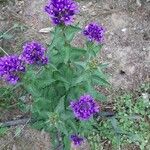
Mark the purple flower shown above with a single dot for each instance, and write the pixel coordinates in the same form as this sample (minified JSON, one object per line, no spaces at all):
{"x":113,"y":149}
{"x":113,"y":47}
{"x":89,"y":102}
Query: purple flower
{"x":85,"y":107}
{"x":76,"y":139}
{"x":94,"y":32}
{"x":10,"y":67}
{"x":34,"y":53}
{"x":62,"y":11}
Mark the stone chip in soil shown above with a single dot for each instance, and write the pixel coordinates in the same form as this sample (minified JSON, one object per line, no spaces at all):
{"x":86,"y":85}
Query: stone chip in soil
{"x":126,"y":46}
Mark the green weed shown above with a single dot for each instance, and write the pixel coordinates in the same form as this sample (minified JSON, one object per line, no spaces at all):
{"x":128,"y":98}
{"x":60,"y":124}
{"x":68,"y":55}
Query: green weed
{"x":129,"y":127}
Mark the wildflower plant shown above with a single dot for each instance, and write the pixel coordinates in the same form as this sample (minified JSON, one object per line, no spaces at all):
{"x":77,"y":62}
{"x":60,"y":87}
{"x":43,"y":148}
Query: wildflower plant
{"x":61,"y":78}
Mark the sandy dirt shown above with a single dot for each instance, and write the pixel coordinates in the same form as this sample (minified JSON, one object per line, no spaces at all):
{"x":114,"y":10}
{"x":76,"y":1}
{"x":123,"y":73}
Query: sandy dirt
{"x":126,"y":48}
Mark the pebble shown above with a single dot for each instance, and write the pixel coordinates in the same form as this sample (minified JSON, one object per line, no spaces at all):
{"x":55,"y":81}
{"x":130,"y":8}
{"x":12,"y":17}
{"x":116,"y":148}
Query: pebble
{"x":109,"y":56}
{"x":46,"y":30}
{"x":138,"y":2}
{"x":87,"y":7}
{"x":124,"y":30}
{"x":93,"y":13}
{"x":145,"y":97}
{"x":89,"y":4}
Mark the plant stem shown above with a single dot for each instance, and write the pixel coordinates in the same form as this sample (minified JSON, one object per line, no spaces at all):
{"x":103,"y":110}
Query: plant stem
{"x":16,"y":122}
{"x":7,"y":31}
{"x":4,"y":51}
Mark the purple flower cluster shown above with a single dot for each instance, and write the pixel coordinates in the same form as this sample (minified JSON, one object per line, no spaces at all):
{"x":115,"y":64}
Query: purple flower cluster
{"x":62,"y":11}
{"x":94,"y":32}
{"x":34,"y":53}
{"x":10,"y":68}
{"x":76,"y":139}
{"x":85,"y":107}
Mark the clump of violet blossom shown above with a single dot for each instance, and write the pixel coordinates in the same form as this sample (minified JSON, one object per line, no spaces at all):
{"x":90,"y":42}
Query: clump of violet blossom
{"x":62,"y":11}
{"x":94,"y":32}
{"x":85,"y":107}
{"x":10,"y":68}
{"x":34,"y":53}
{"x":76,"y":139}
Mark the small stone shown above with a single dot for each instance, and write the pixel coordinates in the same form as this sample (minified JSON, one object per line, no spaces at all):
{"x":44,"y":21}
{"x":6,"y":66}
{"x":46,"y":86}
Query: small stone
{"x":144,"y":48}
{"x":93,"y":13}
{"x":89,"y":4}
{"x":14,"y":147}
{"x":111,"y":33}
{"x":109,"y":56}
{"x":124,"y":30}
{"x":46,"y":30}
{"x":138,"y":2}
{"x":145,"y":97}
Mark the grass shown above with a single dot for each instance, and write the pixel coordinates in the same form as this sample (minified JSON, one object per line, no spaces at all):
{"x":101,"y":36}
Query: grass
{"x":129,"y":128}
{"x":5,"y":1}
{"x":3,"y":131}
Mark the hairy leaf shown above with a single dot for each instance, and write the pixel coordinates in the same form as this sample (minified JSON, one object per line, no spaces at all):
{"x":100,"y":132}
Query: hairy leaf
{"x":70,"y":32}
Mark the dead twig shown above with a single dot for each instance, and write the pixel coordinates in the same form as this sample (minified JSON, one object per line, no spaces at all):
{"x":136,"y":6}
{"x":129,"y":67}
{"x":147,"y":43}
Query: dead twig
{"x":16,"y":122}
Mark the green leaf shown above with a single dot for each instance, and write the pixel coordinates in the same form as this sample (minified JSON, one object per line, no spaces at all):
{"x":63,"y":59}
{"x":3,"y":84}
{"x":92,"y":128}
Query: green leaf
{"x":70,"y":32}
{"x":38,"y":125}
{"x":80,"y":64}
{"x":51,"y":67}
{"x":83,"y":77}
{"x":42,"y":83}
{"x":99,"y":78}
{"x":97,"y":95}
{"x":67,"y":54}
{"x":73,"y":125}
{"x":44,"y":78}
{"x":7,"y":36}
{"x":3,"y":130}
{"x":99,"y":81}
{"x":62,"y":128}
{"x":32,"y":89}
{"x":61,"y":106}
{"x":89,"y":45}
{"x":5,"y":92}
{"x":104,"y":65}
{"x":58,"y":41}
{"x":18,"y":131}
{"x":42,"y":103}
{"x":133,"y":137}
{"x":58,"y":76}
{"x":96,"y":49}
{"x":16,"y":25}
{"x":85,"y":127}
{"x":58,"y":58}
{"x":92,"y":48}
{"x":77,"y":53}
{"x":29,"y":76}
{"x":67,"y":115}
{"x":67,"y":72}
{"x":67,"y":143}
{"x":76,"y":91}
{"x":114,"y":123}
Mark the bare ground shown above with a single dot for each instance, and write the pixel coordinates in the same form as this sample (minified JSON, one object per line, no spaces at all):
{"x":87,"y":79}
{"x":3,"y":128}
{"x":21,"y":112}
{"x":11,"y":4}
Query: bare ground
{"x":126,"y":49}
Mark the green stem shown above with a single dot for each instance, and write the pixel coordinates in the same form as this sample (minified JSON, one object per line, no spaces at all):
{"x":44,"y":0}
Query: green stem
{"x":7,"y":31}
{"x":3,"y":51}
